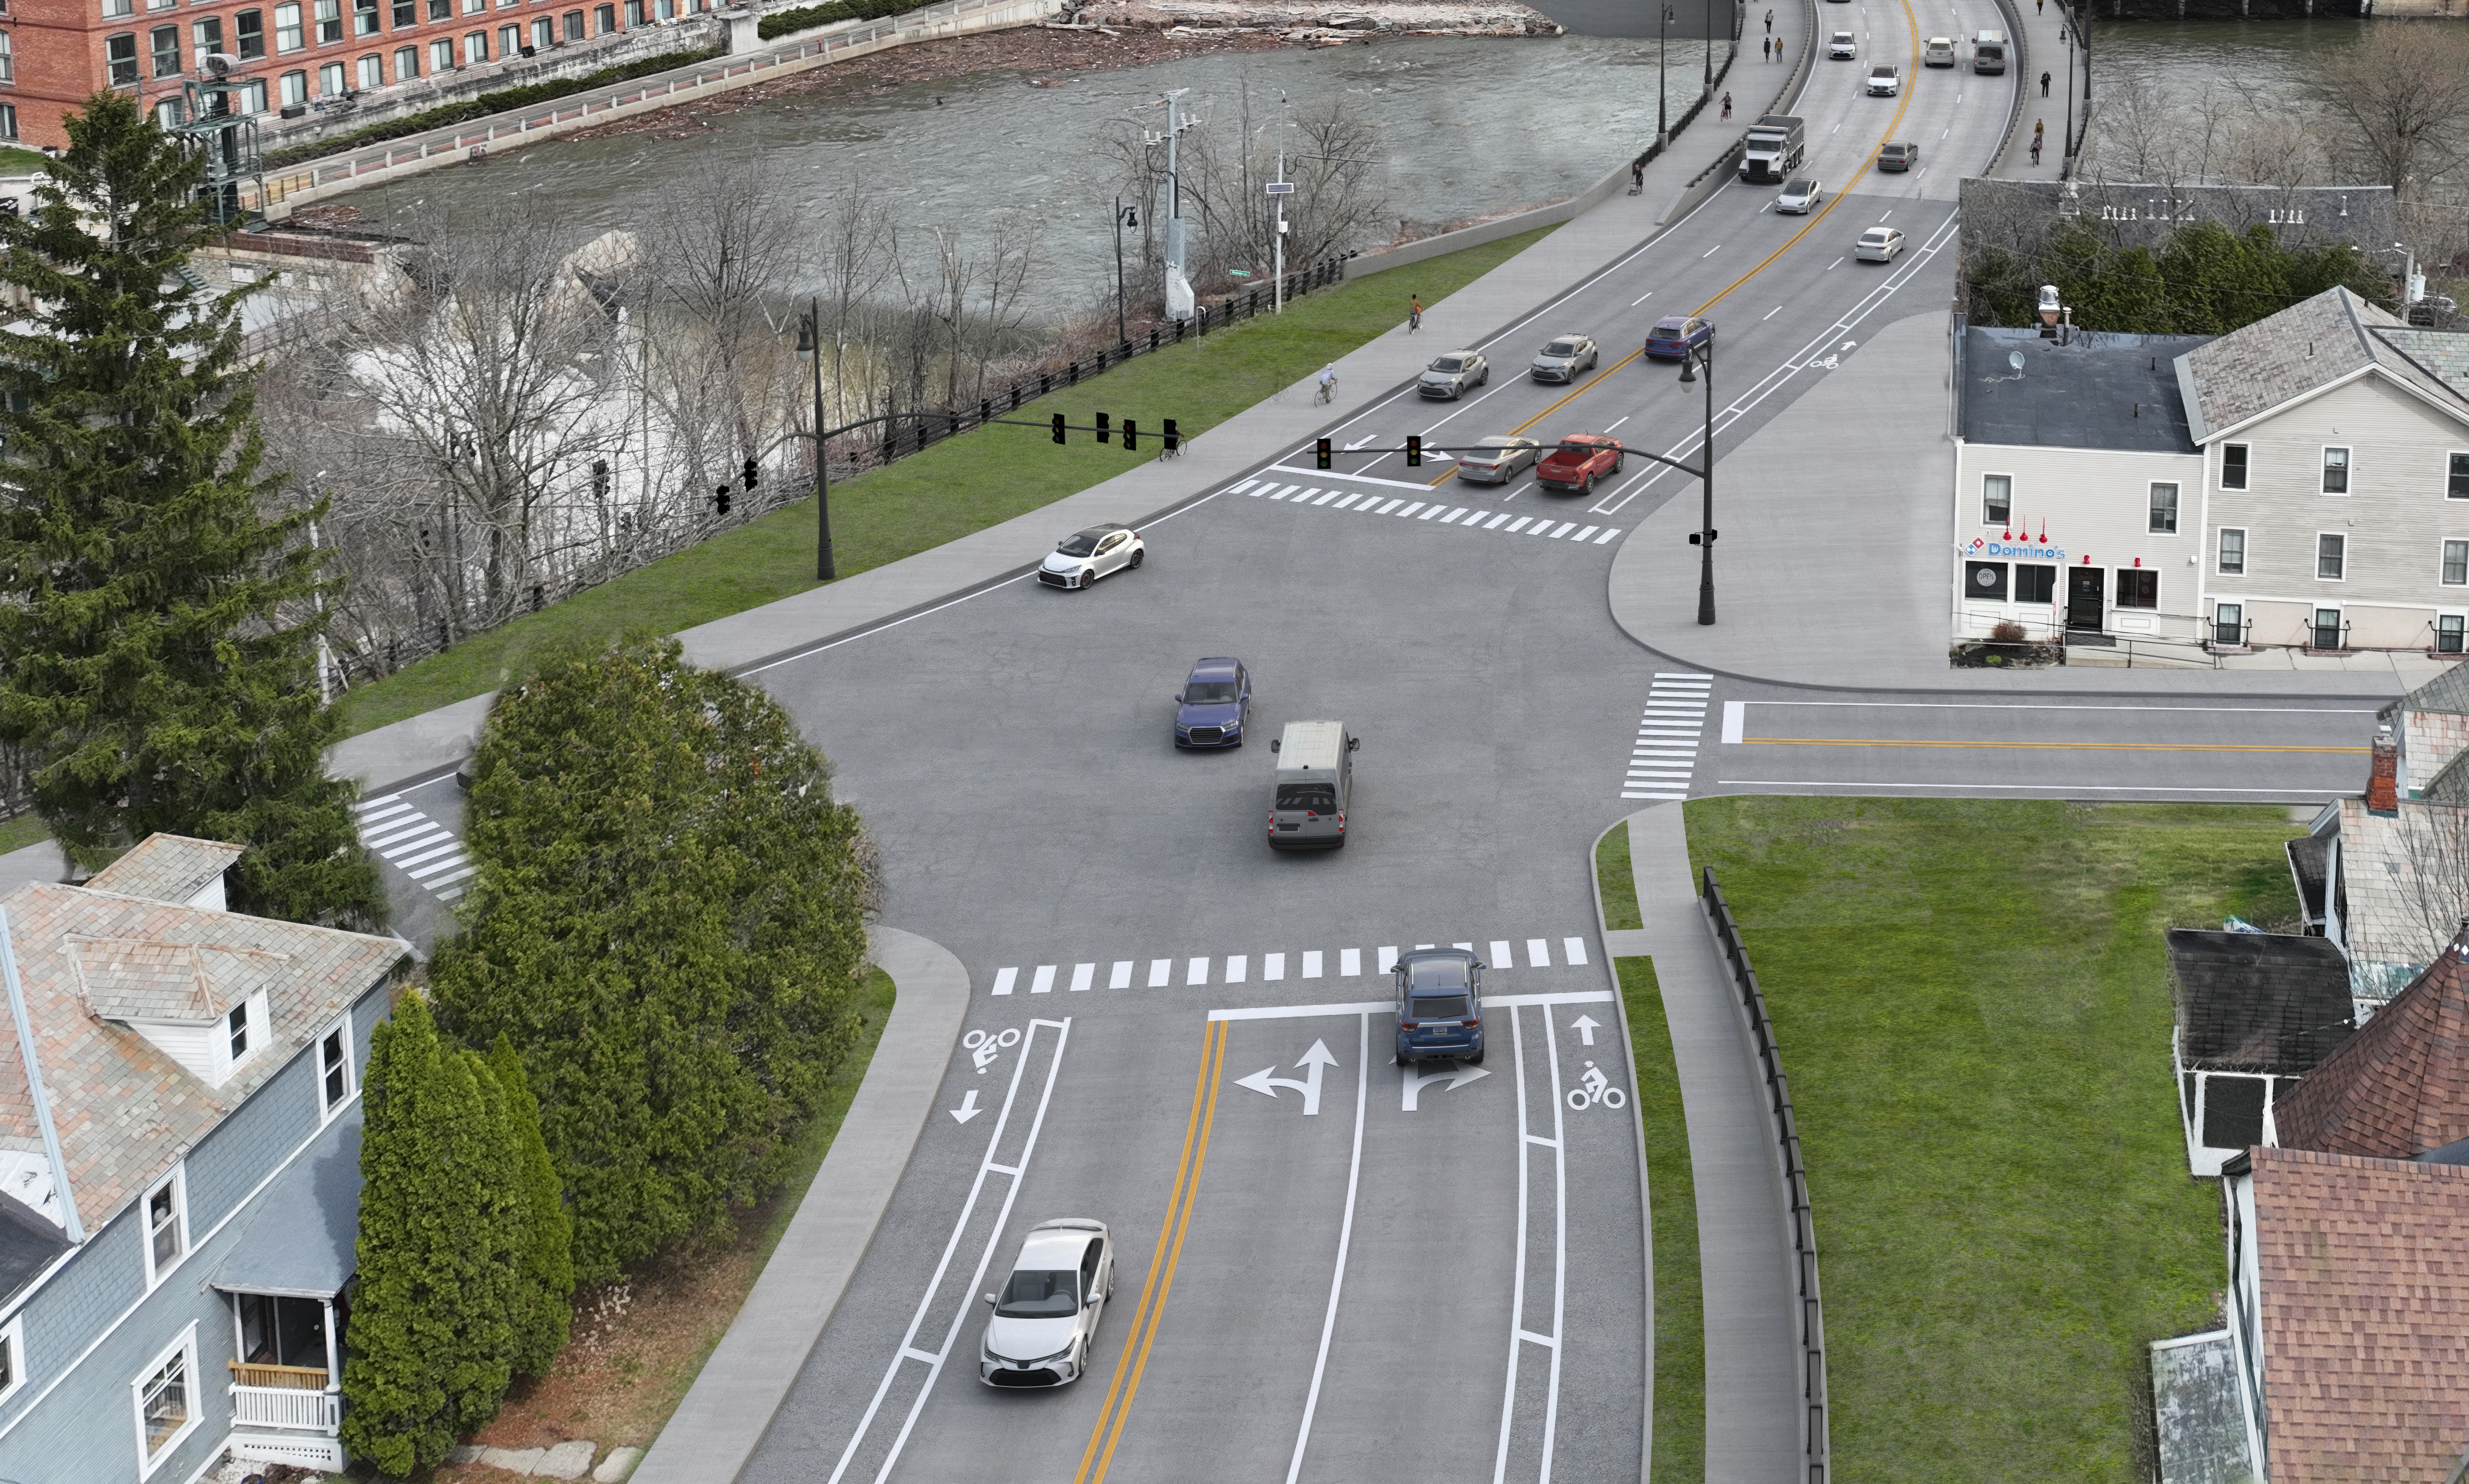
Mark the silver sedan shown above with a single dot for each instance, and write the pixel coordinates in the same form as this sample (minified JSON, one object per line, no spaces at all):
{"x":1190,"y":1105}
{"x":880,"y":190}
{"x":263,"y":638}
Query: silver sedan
{"x":1451,"y":376}
{"x":1497,"y":459}
{"x":1565,"y":358}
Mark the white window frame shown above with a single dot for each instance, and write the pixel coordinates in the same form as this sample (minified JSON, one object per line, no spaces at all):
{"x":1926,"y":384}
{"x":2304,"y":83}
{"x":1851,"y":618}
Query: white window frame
{"x":185,"y":1351}
{"x":2247,"y":473}
{"x":295,"y":82}
{"x":2440,"y":614}
{"x":254,"y":1021}
{"x":403,"y":55}
{"x":2246,"y":550}
{"x":2450,"y":454}
{"x":441,"y":56}
{"x":291,"y":35}
{"x":2341,"y":536}
{"x":342,"y":1029}
{"x":118,"y":10}
{"x":2340,"y":612}
{"x":2443,"y":563}
{"x":177,"y":1181}
{"x":368,"y":72}
{"x":2152,"y":507}
{"x":2348,"y":470}
{"x":13,"y":1343}
{"x":1987,"y":475}
{"x":334,"y":80}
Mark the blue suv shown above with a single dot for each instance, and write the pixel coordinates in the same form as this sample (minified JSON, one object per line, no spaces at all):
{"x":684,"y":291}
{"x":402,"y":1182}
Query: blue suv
{"x":1439,"y":1006}
{"x":1213,"y":704}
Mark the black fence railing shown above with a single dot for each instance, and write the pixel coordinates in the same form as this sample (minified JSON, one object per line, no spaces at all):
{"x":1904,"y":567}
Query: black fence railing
{"x":1785,"y":1131}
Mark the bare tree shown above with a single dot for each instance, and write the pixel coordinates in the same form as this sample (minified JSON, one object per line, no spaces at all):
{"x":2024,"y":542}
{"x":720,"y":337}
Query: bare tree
{"x":857,"y":249}
{"x":2400,"y":100}
{"x":2432,"y":875}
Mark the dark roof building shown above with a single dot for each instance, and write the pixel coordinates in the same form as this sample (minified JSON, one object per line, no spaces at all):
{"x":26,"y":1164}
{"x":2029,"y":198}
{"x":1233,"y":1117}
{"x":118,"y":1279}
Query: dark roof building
{"x":2400,"y":1087}
{"x":2094,"y":389}
{"x":2256,"y":1012}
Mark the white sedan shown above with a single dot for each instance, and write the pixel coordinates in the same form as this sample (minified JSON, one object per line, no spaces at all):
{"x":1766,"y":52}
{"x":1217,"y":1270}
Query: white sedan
{"x":1086,"y":556}
{"x":1044,"y":1320}
{"x":1800,"y":197}
{"x":1878,"y":244}
{"x":1884,"y":81}
{"x":1496,"y":459}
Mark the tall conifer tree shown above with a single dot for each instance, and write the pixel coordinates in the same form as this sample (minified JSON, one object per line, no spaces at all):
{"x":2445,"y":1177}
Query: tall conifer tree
{"x":158,"y":628}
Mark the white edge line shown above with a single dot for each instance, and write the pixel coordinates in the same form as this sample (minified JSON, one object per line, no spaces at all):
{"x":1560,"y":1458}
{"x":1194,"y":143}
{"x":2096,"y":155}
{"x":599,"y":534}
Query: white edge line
{"x":1811,"y":783}
{"x":1375,"y":1007}
{"x":1345,"y":1239}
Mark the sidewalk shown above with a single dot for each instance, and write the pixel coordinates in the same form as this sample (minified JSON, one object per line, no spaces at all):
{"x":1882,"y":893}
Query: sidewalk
{"x":2043,"y":49}
{"x":1745,"y":1261}
{"x":438,"y":740}
{"x":1784,"y":609}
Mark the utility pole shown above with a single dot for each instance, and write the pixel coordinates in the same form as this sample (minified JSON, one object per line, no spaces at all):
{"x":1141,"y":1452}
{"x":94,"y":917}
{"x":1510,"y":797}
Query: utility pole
{"x":1178,"y":282}
{"x":1662,"y":76}
{"x":1279,"y":190}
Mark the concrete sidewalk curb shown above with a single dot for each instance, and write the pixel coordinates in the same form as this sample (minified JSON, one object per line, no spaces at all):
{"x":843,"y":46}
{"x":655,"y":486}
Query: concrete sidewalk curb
{"x":723,"y":1416}
{"x":1637,"y":1130}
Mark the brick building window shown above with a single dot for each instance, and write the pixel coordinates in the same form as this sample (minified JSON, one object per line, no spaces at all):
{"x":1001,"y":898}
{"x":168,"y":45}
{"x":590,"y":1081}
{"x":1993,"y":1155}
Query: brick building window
{"x":252,"y":95}
{"x":330,"y":21}
{"x":476,"y":48}
{"x":544,"y":34}
{"x":120,"y":54}
{"x":113,"y":9}
{"x":162,"y":5}
{"x":406,"y":63}
{"x":7,"y":60}
{"x":364,"y":17}
{"x":634,"y":12}
{"x":510,"y":42}
{"x":406,"y":15}
{"x":248,"y":28}
{"x":165,"y":43}
{"x":372,"y":71}
{"x":8,"y":120}
{"x":474,"y":7}
{"x":295,"y":89}
{"x":441,"y":56}
{"x":574,"y":26}
{"x":288,"y":34}
{"x":330,"y":80}
{"x":441,"y":10}
{"x":604,"y":20}
{"x":167,"y":114}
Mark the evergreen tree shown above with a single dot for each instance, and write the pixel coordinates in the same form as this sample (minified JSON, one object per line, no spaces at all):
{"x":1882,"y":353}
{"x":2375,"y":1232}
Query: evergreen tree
{"x":481,"y":1152}
{"x":543,"y":1254}
{"x":158,"y":637}
{"x":667,"y":923}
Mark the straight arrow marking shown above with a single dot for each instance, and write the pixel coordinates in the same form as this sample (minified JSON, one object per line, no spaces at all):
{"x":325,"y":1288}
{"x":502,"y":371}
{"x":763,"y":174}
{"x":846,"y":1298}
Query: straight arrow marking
{"x":1313,"y":1061}
{"x":1586,"y":1026}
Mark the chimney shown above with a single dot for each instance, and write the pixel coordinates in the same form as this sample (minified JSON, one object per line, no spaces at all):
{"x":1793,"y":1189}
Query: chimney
{"x":2382,"y":775}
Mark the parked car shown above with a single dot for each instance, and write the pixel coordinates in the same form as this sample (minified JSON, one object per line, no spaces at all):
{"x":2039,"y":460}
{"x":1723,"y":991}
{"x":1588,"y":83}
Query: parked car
{"x":1580,"y":460}
{"x":1450,"y":375}
{"x":1045,"y":1316}
{"x":1439,"y":1006}
{"x":1086,"y":556}
{"x":1878,"y":244}
{"x":1840,"y":47}
{"x":1676,"y":336}
{"x":1800,"y":197}
{"x":1898,"y":157}
{"x":1565,"y":358}
{"x":1938,"y":51}
{"x":1884,"y":81}
{"x":1497,"y":459}
{"x":1213,"y":705}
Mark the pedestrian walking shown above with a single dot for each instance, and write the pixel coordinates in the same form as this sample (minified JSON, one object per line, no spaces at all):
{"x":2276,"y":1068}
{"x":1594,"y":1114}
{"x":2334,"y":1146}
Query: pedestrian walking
{"x":2036,"y":150}
{"x":2040,"y":7}
{"x":1770,"y":23}
{"x":2040,"y":131}
{"x":1637,"y":178}
{"x":1414,"y":312}
{"x":2045,"y":84}
{"x":1765,"y":49}
{"x":1727,"y":106}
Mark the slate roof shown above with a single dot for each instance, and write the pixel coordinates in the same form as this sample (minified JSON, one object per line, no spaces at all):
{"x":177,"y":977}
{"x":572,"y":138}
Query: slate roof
{"x":2259,"y":1002}
{"x":2282,"y":356}
{"x":2380,"y":875}
{"x":304,"y":1241}
{"x":2099,"y":390}
{"x":2441,"y":354}
{"x":2400,"y":1087}
{"x":166,"y":868}
{"x":2363,"y":1270}
{"x":2447,"y":694}
{"x":124,"y":1110}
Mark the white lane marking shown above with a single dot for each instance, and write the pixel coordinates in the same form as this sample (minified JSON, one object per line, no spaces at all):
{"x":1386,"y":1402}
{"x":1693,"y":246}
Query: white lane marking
{"x":1538,"y":953}
{"x":1735,"y":713}
{"x":1770,"y":314}
{"x":2066,"y":789}
{"x":1387,"y":958}
{"x":1351,"y":500}
{"x":1428,"y":513}
{"x":1559,"y":1244}
{"x":1565,"y":527}
{"x":1349,"y":962}
{"x":1836,"y":264}
{"x":961,"y":1313}
{"x":1244,"y":485}
{"x":1386,"y":509}
{"x":1494,"y":522}
{"x":370,"y":814}
{"x":1617,"y":423}
{"x":1629,"y":795}
{"x":1581,"y":536}
{"x":450,"y":878}
{"x":1975,"y":705}
{"x":1451,"y":518}
{"x":1501,"y":953}
{"x":1084,"y":976}
{"x":1608,"y":535}
{"x":1710,"y":251}
{"x":425,"y":851}
{"x":1313,"y":1061}
{"x":1161,"y":973}
{"x":1043,"y":983}
{"x":1121,"y":978}
{"x":1273,"y":967}
{"x":1573,"y":951}
{"x":1325,"y":498}
{"x":1383,"y":1007}
{"x":1311,"y":964}
{"x":1004,"y":978}
{"x":1237,"y":967}
{"x":1641,"y":299}
{"x":1345,"y":1239}
{"x":1196,"y":972}
{"x":1513,"y":525}
{"x":1889,"y":212}
{"x":1408,"y":511}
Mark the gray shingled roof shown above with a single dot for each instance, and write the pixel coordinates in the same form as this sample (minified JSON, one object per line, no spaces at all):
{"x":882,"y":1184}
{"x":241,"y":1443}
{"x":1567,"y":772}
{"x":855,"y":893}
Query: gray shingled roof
{"x":166,"y":868}
{"x":138,"y":979}
{"x":2448,"y":692}
{"x":303,"y":1242}
{"x":2441,"y":354}
{"x":2259,"y":1002}
{"x":2310,"y":345}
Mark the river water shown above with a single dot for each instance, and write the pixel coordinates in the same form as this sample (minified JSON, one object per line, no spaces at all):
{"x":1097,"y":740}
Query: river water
{"x":1474,"y":126}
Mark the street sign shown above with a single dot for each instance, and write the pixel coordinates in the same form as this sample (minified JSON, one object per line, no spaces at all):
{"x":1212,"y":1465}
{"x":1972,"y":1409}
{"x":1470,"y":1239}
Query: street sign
{"x":1281,"y":188}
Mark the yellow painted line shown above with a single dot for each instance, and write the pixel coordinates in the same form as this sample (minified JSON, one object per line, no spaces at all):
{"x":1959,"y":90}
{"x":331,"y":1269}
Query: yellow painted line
{"x":2039,"y":747}
{"x":1598,"y":379}
{"x":1135,"y":1359}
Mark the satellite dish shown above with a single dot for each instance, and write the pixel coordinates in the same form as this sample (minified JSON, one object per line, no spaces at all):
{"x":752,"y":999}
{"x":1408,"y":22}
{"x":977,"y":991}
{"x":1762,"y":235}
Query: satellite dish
{"x":2014,"y":361}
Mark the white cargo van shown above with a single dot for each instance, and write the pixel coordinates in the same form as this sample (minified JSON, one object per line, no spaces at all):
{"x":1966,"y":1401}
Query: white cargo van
{"x":1315,"y":781}
{"x":1989,"y":52}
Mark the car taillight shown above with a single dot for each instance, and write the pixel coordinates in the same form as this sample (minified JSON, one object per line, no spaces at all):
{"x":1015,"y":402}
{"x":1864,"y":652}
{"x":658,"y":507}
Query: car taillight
{"x":1308,"y":815}
{"x":1471,"y":1025}
{"x":1410,"y":1025}
{"x":1341,"y":820}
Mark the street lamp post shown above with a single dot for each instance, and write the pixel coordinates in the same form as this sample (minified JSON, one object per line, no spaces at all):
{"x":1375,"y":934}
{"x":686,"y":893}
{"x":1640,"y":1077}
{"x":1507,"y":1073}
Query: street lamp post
{"x":1662,"y":115}
{"x":2066,"y":141}
{"x":810,"y":340}
{"x":1124,"y":217}
{"x":1689,"y":363}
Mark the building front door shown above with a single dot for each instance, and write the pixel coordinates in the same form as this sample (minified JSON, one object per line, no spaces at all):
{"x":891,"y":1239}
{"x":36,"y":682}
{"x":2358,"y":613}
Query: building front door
{"x":2085,"y":588}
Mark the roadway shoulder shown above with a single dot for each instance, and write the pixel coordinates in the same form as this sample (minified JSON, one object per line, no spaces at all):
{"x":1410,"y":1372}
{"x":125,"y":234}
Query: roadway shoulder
{"x":723,"y":1416}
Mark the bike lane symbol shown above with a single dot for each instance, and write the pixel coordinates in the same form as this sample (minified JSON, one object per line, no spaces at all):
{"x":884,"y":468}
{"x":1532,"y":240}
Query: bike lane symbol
{"x":1595,"y":1088}
{"x":984,"y":1046}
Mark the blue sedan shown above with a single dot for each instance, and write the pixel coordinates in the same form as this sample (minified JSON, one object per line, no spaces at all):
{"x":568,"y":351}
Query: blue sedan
{"x":1673,"y":338}
{"x":1213,"y":705}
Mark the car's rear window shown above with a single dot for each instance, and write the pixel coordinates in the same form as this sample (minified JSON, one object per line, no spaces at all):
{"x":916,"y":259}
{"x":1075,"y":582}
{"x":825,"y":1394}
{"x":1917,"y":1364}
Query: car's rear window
{"x":1874,"y":236}
{"x":1319,"y":798}
{"x":1670,"y":327}
{"x":1578,"y":451}
{"x":1439,"y":1007}
{"x":1040,"y":1293}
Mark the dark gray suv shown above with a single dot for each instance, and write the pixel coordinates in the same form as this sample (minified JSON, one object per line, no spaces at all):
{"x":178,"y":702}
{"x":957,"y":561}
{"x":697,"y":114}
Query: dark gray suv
{"x":1439,"y":1006}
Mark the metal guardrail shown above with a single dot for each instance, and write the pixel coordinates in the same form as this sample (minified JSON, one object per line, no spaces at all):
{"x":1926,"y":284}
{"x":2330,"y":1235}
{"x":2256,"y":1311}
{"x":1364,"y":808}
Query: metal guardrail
{"x":1814,"y":1453}
{"x":482,"y":134}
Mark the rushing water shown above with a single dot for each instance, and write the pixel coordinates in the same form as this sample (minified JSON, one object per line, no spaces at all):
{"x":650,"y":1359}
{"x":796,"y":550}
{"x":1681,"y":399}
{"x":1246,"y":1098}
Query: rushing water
{"x":1472,"y":125}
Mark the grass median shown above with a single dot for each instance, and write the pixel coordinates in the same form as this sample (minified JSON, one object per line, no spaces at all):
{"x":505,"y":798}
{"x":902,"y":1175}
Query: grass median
{"x":953,"y":488}
{"x":1971,"y":999}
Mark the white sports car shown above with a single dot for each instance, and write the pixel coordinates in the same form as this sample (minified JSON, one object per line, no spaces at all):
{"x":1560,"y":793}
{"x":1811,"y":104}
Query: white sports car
{"x":1045,"y":1317}
{"x":1086,"y":556}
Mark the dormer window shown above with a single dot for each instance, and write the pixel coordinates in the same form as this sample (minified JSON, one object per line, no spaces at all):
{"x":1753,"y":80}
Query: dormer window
{"x":242,"y":1029}
{"x":235,"y":1032}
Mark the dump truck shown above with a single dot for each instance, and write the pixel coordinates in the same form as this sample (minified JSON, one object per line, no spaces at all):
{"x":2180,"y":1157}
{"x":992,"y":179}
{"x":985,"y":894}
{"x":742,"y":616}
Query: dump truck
{"x":1776,"y":143}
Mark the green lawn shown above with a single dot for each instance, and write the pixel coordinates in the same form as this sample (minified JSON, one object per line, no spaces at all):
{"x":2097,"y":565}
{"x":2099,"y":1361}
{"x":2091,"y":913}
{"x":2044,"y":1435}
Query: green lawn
{"x":1971,"y":999}
{"x":953,"y":488}
{"x":1613,"y":877}
{"x":27,"y":829}
{"x":1679,"y":1306}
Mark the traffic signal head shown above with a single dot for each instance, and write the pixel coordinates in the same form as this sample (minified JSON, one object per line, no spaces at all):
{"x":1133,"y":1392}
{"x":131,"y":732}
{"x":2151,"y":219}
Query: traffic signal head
{"x":1320,"y":453}
{"x":1103,"y":435}
{"x":1058,"y":428}
{"x":719,"y":496}
{"x":1414,"y":451}
{"x":752,"y":472}
{"x":1173,"y":439}
{"x":1131,"y":435}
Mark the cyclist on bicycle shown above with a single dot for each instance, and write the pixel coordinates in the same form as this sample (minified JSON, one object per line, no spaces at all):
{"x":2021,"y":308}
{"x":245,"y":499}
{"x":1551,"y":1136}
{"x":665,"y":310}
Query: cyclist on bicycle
{"x":1328,"y":382}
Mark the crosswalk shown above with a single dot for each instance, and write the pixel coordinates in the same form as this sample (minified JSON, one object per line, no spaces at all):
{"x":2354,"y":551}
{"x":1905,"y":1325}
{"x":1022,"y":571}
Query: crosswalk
{"x":1184,"y":971}
{"x":1439,"y":513}
{"x":416,"y":845}
{"x":1665,"y":754}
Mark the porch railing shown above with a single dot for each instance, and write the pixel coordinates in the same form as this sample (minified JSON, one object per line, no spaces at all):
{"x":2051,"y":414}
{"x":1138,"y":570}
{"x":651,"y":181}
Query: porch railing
{"x":286,"y":1408}
{"x":279,"y":1378}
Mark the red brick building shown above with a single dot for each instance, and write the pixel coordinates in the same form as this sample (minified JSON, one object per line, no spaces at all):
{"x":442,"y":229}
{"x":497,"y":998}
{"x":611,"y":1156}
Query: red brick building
{"x":53,"y":54}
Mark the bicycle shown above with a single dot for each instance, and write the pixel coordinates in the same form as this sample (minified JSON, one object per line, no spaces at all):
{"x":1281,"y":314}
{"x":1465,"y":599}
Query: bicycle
{"x":1597,"y":1088}
{"x":1328,"y":391}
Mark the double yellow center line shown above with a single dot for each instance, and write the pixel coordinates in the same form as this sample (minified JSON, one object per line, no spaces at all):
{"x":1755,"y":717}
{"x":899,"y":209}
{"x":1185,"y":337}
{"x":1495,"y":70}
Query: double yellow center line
{"x":1100,"y":1455}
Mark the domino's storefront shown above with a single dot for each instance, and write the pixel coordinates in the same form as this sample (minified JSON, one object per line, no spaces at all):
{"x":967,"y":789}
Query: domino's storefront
{"x":2076,"y":543}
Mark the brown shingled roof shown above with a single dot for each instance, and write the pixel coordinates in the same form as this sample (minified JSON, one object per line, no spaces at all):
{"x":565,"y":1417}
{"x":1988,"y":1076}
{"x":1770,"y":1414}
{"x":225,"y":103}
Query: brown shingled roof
{"x":124,"y":1110}
{"x":166,"y":868}
{"x":2401,"y":1085}
{"x":2364,"y":1272}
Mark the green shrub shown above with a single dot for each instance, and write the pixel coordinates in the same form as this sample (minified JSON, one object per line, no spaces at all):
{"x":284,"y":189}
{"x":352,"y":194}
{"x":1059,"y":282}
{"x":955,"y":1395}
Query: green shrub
{"x":805,"y":17}
{"x":487,"y":103}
